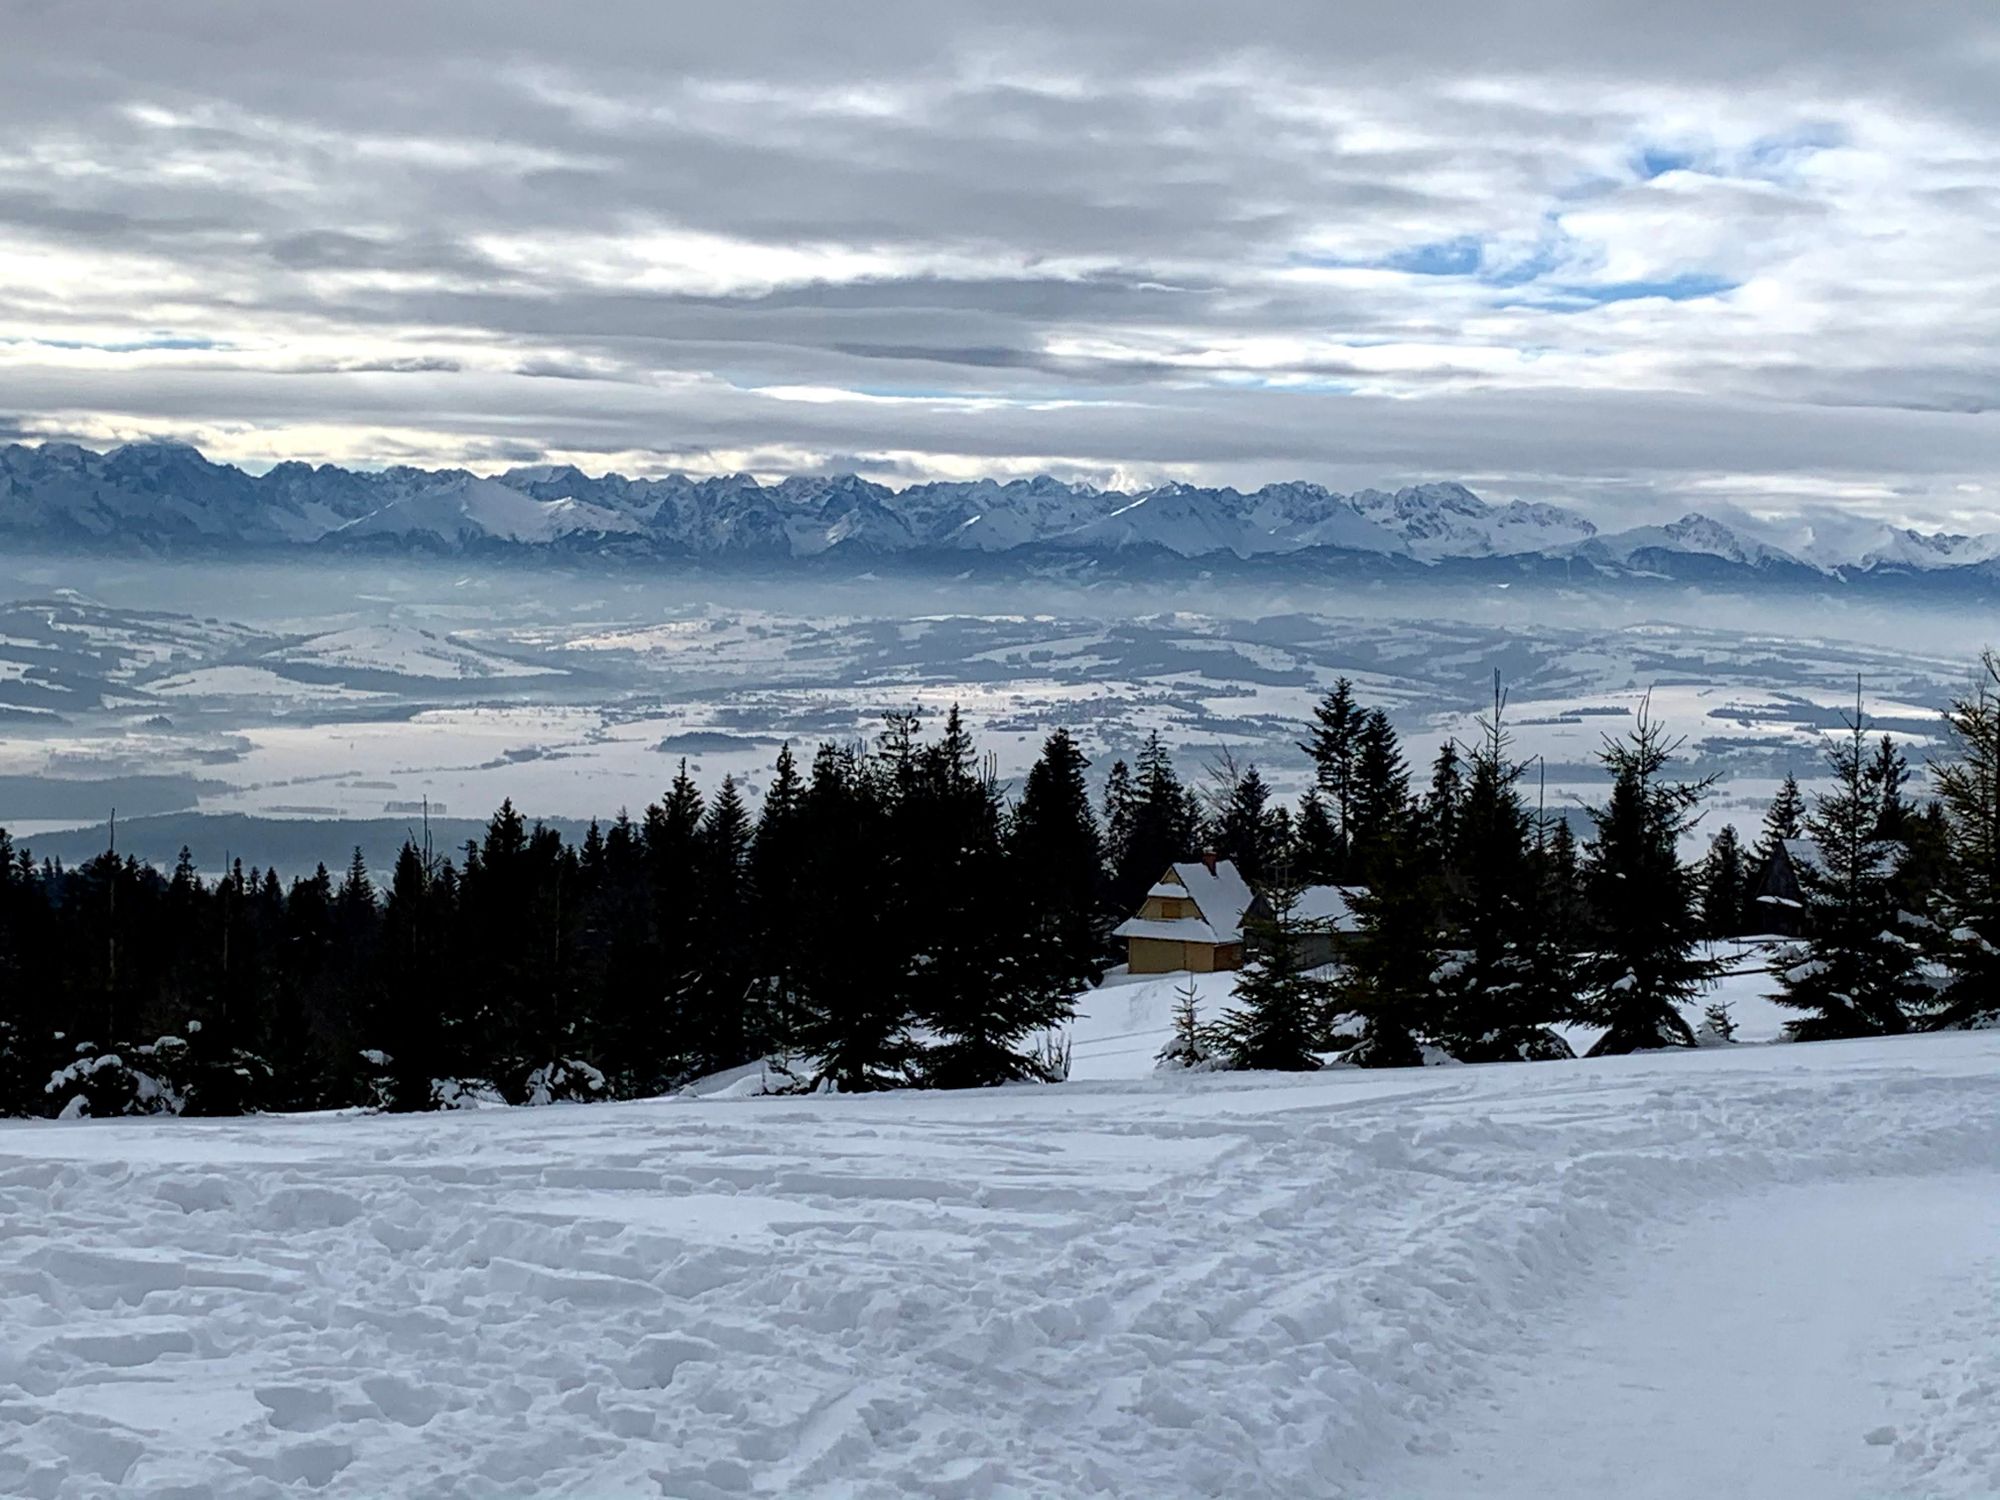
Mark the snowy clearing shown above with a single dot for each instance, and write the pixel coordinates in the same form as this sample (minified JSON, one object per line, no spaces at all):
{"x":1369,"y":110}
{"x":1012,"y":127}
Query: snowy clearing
{"x":1445,"y":1282}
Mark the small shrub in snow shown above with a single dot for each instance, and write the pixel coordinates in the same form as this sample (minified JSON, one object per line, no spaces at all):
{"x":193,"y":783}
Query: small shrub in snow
{"x":1187,"y":1048}
{"x":567,"y":1080}
{"x":1718,"y":1027}
{"x":1052,"y":1057}
{"x":465,"y":1093}
{"x":102,"y":1085}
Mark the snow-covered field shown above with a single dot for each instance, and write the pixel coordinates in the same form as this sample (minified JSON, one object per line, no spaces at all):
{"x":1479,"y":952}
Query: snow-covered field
{"x":574,"y":697}
{"x":1766,"y":1271}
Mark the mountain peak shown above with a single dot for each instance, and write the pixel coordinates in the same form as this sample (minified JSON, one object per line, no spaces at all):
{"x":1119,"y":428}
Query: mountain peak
{"x":162,"y":493}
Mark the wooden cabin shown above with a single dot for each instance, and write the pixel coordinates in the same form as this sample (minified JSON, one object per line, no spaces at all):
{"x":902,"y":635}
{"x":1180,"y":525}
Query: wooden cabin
{"x":1779,"y":897}
{"x":1192,"y":919}
{"x":1327,"y":921}
{"x":1197,"y":915}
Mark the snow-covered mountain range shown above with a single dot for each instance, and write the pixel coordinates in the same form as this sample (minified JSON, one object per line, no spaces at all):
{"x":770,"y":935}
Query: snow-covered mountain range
{"x":162,"y":496}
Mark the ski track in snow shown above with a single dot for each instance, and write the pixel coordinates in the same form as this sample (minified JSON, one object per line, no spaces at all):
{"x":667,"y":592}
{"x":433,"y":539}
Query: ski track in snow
{"x":1750,"y":1350}
{"x":1441,"y":1283}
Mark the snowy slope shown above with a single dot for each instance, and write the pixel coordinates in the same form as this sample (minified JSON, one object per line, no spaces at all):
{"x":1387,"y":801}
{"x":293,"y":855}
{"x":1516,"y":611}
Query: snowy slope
{"x":1693,"y":534}
{"x":1448,"y":520}
{"x":464,"y":507}
{"x":1776,"y":1264}
{"x":1179,"y":518}
{"x":403,"y":651}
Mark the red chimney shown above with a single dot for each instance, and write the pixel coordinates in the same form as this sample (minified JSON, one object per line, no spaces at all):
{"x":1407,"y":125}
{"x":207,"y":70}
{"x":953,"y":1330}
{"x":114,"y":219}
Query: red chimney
{"x":1208,"y":859}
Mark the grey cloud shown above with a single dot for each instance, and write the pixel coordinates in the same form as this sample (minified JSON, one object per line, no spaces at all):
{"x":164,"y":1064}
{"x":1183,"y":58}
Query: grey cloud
{"x":1109,"y":218}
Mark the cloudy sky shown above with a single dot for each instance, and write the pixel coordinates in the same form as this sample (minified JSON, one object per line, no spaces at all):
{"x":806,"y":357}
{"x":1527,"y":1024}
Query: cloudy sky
{"x":1708,"y":253}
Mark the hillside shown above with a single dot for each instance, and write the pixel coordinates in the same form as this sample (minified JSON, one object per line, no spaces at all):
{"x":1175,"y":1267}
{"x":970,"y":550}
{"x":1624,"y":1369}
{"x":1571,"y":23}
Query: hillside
{"x":1428,"y":1284}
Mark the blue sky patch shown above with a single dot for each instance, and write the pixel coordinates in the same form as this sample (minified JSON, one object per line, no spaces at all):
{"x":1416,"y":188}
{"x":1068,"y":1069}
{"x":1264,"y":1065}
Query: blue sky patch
{"x":1456,"y":257}
{"x":1657,"y":161}
{"x":1684,"y":288}
{"x":131,"y":346}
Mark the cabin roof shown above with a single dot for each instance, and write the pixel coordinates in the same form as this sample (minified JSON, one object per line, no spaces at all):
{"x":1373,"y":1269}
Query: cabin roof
{"x":1803,"y":853}
{"x":1169,"y":930}
{"x":1221,"y":896}
{"x":1328,"y":908}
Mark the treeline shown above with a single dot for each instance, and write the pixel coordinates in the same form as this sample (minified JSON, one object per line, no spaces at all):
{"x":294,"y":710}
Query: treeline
{"x":890,"y":917}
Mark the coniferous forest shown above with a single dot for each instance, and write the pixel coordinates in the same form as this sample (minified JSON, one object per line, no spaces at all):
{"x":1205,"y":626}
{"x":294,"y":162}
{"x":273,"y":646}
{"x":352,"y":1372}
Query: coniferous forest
{"x":891,"y":916}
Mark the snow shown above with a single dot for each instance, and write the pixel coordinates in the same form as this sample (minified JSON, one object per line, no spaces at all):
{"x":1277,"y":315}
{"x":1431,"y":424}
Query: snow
{"x":1790,"y":1327}
{"x":1170,"y":930}
{"x":464,"y":507}
{"x":405,"y":651}
{"x":1742,"y":1271}
{"x":1329,"y":907}
{"x":1220,"y":894}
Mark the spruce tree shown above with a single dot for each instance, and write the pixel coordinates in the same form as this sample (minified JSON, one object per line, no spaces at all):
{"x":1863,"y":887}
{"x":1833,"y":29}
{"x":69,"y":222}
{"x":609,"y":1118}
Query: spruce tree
{"x":1725,"y":885}
{"x":955,"y":911}
{"x":1855,"y":972}
{"x":1968,"y":788}
{"x":1379,"y":809}
{"x":1644,"y":961}
{"x":1188,"y":1046}
{"x":1492,"y":1008}
{"x":1784,"y":820}
{"x":776,"y":874}
{"x":1054,"y":856}
{"x":1334,"y":744}
{"x":1390,"y":979}
{"x":1315,"y":850}
{"x":1553,"y":921}
{"x":1120,"y":804}
{"x":1277,"y":1001}
{"x":1444,"y":804}
{"x":415,"y":966}
{"x":851,"y":1003}
{"x":713,"y":1017}
{"x":1246,"y":832}
{"x":1162,"y":827}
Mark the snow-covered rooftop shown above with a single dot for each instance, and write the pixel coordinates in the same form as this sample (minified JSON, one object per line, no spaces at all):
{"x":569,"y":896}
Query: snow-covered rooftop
{"x":1221,"y":895}
{"x":1329,"y":907}
{"x":1169,"y":930}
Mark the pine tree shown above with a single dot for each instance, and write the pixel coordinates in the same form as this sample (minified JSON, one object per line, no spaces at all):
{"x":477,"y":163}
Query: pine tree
{"x":1246,"y":832}
{"x":1390,"y":979}
{"x":407,"y":1028}
{"x":1163,"y":825}
{"x":1315,"y":850}
{"x":1120,"y":808}
{"x":1725,"y":887}
{"x":1553,"y":922}
{"x":1188,"y":1046}
{"x":1915,"y":834}
{"x":713,"y":1019}
{"x":1491,"y":1007}
{"x":1644,"y":962}
{"x":1784,"y":820}
{"x":1334,"y":745}
{"x":1444,"y":804}
{"x":1968,"y":787}
{"x":664,"y":1023}
{"x":851,"y":1005}
{"x":1277,"y":1000}
{"x":1055,"y":857}
{"x":1855,"y":971}
{"x":967,"y":983}
{"x":777,"y":861}
{"x":1379,"y":808}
